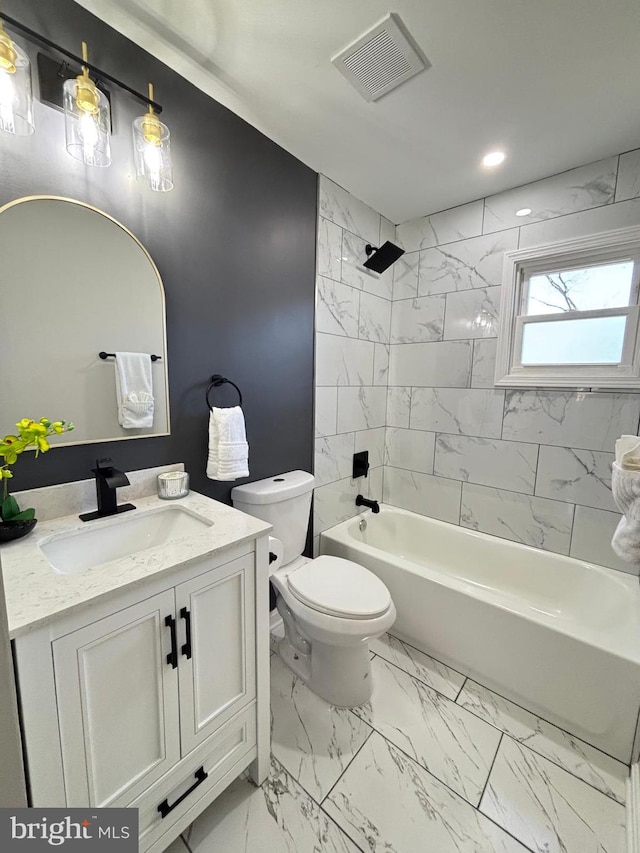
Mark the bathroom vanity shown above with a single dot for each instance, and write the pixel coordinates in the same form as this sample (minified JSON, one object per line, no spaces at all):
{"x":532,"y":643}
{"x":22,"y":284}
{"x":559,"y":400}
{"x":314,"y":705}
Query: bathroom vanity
{"x":143,"y":679}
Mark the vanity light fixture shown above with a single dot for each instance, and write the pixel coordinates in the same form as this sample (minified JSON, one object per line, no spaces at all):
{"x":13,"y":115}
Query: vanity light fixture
{"x":16,"y":98}
{"x":86,"y":106}
{"x":151,"y":147}
{"x":87,"y":118}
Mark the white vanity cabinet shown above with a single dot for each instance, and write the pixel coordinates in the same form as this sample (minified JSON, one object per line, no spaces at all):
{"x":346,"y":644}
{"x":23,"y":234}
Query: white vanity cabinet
{"x":154,"y":698}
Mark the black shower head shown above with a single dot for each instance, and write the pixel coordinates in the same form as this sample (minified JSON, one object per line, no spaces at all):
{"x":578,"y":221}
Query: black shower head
{"x":381,"y":259}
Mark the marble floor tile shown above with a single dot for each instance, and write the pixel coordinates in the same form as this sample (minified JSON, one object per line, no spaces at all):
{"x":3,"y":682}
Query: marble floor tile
{"x":452,"y":744}
{"x":584,"y":761}
{"x":433,"y":673}
{"x":279,"y":817}
{"x":389,"y":804}
{"x":547,"y":808}
{"x":312,"y":740}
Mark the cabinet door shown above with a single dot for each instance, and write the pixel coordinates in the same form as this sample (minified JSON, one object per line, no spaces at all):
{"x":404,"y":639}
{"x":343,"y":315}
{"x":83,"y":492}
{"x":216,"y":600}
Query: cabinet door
{"x":117,"y":697}
{"x":217,"y":648}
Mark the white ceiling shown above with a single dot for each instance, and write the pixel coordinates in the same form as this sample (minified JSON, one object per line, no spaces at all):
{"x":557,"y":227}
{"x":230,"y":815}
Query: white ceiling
{"x":555,"y":83}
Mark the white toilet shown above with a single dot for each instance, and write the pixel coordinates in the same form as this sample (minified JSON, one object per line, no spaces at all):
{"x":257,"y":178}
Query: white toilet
{"x":331,"y":607}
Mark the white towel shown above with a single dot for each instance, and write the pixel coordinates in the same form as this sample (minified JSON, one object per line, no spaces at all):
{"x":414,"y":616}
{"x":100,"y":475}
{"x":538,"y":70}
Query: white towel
{"x":628,"y":452}
{"x":228,"y":448}
{"x":134,"y":390}
{"x":625,"y":486}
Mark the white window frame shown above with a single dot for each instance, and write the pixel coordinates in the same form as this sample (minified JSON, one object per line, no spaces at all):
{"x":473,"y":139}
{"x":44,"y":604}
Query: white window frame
{"x":620,"y":245}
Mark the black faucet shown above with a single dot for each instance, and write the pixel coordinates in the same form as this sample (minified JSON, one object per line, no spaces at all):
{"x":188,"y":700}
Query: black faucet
{"x":374,"y":506}
{"x":108,"y":479}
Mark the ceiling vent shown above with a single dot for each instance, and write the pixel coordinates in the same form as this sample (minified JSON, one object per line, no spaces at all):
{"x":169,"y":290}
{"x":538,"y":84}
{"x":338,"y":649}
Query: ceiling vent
{"x":381,"y":59}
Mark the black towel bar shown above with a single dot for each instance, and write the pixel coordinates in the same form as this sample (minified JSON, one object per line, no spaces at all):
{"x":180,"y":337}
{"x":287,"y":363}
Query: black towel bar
{"x":216,"y":382}
{"x":104,"y":355}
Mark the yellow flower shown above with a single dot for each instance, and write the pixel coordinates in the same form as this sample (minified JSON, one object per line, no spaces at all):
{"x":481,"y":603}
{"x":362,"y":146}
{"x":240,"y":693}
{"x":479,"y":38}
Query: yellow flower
{"x":30,"y":434}
{"x":10,"y":447}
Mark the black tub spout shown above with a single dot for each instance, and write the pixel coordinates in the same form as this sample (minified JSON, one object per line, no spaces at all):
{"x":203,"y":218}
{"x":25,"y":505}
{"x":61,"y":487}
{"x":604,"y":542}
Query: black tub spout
{"x":374,"y":506}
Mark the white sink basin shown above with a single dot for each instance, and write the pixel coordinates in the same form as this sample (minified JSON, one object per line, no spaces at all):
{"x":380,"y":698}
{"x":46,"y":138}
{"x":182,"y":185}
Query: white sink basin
{"x":119,"y":536}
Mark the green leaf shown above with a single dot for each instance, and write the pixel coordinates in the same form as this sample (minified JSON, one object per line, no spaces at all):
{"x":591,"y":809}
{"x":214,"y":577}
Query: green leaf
{"x":25,"y":515}
{"x":10,"y":508}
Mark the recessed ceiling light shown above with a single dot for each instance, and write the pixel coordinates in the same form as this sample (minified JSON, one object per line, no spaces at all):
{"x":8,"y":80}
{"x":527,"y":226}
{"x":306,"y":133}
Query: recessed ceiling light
{"x":524,"y":211}
{"x":494,"y":158}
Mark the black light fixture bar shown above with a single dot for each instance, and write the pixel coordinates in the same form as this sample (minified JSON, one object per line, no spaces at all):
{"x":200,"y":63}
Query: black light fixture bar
{"x":34,"y":36}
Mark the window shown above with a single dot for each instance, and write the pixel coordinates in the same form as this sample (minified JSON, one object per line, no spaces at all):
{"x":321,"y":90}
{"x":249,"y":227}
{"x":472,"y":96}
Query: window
{"x":569,"y":314}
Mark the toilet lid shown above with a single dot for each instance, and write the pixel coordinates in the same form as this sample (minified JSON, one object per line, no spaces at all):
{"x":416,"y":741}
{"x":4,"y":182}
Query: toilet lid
{"x":340,"y":588}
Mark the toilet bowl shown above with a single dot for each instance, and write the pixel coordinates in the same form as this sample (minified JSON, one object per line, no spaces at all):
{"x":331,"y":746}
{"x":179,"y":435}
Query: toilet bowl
{"x":331,"y":607}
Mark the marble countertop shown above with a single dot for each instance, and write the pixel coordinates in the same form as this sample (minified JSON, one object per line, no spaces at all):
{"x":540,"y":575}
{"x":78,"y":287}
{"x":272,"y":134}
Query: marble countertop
{"x":36,"y":594}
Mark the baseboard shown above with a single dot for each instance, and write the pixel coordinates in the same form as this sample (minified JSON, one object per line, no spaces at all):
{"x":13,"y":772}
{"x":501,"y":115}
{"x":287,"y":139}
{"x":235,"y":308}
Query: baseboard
{"x":633,"y":810}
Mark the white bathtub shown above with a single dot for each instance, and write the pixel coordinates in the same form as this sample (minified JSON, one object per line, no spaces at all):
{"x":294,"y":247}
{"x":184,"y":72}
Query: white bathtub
{"x":556,"y":635}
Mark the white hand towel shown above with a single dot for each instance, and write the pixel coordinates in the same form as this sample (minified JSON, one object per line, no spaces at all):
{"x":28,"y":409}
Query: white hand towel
{"x":228,"y":449}
{"x":134,"y":390}
{"x":625,"y":486}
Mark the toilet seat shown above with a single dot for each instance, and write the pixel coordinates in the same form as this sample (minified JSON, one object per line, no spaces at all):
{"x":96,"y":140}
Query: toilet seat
{"x":339,"y":587}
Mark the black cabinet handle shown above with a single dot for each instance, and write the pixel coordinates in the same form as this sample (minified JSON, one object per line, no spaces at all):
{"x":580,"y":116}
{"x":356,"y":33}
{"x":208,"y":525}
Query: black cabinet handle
{"x":172,"y":657}
{"x":164,"y":808}
{"x":186,"y":615}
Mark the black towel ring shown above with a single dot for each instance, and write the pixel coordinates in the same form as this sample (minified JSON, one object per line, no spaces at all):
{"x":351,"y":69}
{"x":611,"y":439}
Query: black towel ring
{"x":216,"y":382}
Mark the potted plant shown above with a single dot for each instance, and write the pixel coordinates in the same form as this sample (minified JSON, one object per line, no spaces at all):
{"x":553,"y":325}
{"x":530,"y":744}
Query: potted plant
{"x":16,"y":522}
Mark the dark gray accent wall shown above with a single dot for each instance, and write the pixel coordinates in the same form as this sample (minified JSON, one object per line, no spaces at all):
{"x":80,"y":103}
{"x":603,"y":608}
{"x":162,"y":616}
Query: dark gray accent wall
{"x":234,"y":243}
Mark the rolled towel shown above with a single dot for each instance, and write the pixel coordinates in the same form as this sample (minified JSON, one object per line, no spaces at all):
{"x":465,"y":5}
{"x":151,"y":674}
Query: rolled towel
{"x":625,"y":486}
{"x":228,"y":449}
{"x":628,"y":452}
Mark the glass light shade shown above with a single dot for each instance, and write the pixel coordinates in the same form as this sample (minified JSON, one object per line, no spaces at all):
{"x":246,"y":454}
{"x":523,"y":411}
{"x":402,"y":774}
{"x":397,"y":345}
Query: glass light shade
{"x":16,"y":97}
{"x":152,"y":152}
{"x":87,"y":122}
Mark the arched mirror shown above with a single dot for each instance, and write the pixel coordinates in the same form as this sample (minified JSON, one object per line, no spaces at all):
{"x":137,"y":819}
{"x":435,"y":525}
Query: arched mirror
{"x":74,"y":282}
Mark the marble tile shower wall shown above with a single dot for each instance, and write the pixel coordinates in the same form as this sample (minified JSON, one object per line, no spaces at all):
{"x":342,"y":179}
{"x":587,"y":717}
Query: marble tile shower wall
{"x":353,"y":321}
{"x":528,"y":465}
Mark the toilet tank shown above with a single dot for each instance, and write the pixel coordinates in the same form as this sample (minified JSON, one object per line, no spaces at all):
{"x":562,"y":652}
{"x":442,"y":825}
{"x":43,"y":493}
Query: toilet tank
{"x":284,"y":501}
